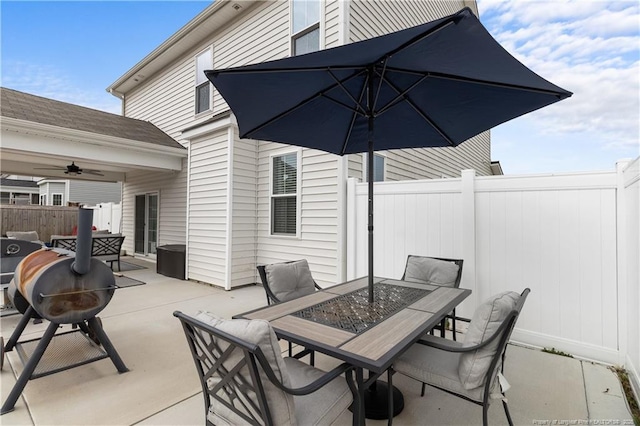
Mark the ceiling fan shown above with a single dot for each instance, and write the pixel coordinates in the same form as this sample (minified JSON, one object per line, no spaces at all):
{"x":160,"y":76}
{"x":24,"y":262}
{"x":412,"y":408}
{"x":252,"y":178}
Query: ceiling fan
{"x":72,"y":170}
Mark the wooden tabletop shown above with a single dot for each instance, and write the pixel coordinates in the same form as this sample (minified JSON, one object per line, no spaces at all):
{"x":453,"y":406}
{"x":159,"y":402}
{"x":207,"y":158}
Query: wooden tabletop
{"x":373,"y":349}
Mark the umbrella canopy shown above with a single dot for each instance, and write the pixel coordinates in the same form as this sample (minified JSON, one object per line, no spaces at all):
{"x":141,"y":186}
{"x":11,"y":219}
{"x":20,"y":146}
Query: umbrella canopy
{"x":434,"y":85}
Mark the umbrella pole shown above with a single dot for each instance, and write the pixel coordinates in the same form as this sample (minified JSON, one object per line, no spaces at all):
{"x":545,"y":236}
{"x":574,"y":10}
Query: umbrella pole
{"x":370,"y":102}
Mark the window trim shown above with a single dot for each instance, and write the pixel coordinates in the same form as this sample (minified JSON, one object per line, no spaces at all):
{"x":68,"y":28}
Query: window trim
{"x":43,"y":199}
{"x":280,"y":153}
{"x":197,"y":113}
{"x":320,"y":25}
{"x":365,"y":156}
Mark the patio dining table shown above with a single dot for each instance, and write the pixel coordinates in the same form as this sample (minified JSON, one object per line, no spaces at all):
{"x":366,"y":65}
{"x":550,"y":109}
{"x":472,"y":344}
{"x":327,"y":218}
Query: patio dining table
{"x":340,"y":322}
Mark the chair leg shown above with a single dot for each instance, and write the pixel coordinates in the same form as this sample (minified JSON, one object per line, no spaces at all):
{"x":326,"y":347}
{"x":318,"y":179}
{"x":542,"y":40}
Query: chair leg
{"x":485,"y":413}
{"x":290,"y":349}
{"x":312,"y":358}
{"x":390,"y":396}
{"x":506,"y":411}
{"x":453,"y":323}
{"x":424,"y":385}
{"x":443,"y":326}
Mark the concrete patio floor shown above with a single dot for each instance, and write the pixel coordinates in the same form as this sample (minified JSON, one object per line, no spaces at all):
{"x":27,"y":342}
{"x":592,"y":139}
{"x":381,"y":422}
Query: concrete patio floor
{"x":162,"y":388}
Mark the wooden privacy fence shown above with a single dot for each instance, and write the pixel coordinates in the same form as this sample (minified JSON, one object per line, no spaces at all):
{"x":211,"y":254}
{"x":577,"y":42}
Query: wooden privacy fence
{"x":45,"y":220}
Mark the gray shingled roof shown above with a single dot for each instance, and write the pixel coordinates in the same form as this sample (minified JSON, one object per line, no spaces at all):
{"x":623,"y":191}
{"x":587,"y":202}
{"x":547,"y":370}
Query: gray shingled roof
{"x":24,"y":106}
{"x":18,"y":182}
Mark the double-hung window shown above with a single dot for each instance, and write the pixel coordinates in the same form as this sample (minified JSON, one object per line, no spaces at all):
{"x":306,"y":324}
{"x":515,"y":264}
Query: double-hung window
{"x":204,"y":61}
{"x":305,"y":26}
{"x":56,"y":199}
{"x":284,"y":194}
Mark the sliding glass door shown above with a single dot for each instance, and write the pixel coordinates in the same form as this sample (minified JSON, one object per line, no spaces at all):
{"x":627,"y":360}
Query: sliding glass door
{"x":146,"y":223}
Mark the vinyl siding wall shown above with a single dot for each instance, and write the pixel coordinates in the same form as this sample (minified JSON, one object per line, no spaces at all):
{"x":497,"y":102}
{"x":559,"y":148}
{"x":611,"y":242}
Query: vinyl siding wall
{"x":94,"y":192}
{"x":172,"y":190}
{"x":208,"y":209}
{"x":373,"y":18}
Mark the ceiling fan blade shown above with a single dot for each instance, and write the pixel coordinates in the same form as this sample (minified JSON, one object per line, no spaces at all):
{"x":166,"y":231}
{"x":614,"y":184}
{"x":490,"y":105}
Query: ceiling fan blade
{"x":50,"y":168}
{"x":92,"y":172}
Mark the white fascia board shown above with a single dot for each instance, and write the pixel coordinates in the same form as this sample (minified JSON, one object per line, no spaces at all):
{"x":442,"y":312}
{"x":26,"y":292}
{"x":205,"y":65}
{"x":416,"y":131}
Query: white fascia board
{"x":203,"y":130}
{"x":24,"y":136}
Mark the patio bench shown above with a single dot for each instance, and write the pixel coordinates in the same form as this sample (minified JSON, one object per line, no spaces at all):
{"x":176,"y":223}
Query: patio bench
{"x":105,"y":247}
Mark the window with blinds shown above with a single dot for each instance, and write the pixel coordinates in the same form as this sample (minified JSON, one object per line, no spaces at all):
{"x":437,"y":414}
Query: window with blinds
{"x":284,"y":194}
{"x":204,"y":61}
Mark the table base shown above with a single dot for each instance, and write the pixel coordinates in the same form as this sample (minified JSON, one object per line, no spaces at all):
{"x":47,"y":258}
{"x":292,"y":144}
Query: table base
{"x":376,"y":405}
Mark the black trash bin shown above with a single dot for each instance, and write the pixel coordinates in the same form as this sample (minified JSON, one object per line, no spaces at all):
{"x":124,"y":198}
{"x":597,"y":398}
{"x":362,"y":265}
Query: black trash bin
{"x":170,"y":260}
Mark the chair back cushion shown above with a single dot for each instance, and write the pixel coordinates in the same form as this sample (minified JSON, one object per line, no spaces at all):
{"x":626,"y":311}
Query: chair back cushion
{"x":473,"y":366}
{"x":290,"y":280}
{"x":427,"y":270}
{"x":24,"y":235}
{"x":260,"y":333}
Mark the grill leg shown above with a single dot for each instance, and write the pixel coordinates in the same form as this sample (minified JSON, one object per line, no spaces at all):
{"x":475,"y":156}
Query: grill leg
{"x":95,"y":325}
{"x":29,"y":368}
{"x":19,"y":329}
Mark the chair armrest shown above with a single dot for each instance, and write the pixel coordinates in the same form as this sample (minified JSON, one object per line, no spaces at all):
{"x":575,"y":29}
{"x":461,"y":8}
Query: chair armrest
{"x":451,"y":346}
{"x":305,"y":390}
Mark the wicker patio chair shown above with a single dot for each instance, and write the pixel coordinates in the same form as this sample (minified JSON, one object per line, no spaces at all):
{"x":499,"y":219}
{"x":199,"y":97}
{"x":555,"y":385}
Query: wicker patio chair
{"x":245,"y":380}
{"x":471,"y":370}
{"x":437,"y":271}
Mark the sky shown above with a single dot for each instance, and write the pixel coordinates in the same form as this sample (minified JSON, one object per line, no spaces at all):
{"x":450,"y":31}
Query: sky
{"x":72,"y":51}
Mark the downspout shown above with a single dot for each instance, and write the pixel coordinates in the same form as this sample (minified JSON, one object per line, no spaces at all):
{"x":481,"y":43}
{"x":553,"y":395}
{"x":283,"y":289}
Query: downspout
{"x":120,"y":96}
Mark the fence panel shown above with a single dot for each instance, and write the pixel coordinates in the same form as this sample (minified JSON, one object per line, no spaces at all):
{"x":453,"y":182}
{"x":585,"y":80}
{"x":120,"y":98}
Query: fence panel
{"x":555,"y":234}
{"x":45,"y":220}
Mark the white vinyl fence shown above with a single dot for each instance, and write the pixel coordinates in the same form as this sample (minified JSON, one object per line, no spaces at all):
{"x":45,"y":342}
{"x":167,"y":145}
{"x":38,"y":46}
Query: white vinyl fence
{"x":107,"y":216}
{"x":560,"y":235}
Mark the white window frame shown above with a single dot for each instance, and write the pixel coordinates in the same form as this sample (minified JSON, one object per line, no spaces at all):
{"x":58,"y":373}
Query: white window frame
{"x":365,"y":174}
{"x":196,"y":84}
{"x":308,"y":29}
{"x":281,"y":153}
{"x":43,"y":199}
{"x":53,"y":198}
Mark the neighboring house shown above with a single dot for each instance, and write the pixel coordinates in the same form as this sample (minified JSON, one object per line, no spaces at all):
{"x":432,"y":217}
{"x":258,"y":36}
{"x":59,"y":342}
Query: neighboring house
{"x":238,"y":202}
{"x":19,"y":190}
{"x":55,"y":192}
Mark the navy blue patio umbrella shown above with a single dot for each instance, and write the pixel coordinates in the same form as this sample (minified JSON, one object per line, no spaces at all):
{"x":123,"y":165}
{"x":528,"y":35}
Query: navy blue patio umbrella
{"x":434,"y":85}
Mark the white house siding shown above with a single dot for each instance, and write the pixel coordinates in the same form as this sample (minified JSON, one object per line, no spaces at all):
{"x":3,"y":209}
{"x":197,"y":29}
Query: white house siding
{"x":50,"y":188}
{"x":318,"y":242}
{"x":91,"y":193}
{"x":372,"y":18}
{"x":172,"y":190}
{"x":208,"y":208}
{"x":332,"y":23}
{"x":244,"y":224}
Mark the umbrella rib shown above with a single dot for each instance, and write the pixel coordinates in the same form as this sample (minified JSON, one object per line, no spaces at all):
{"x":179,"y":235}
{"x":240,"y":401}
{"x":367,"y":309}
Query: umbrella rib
{"x":444,"y":76}
{"x":300,"y":104}
{"x":344,"y":89}
{"x":400,"y":96}
{"x":353,"y":122}
{"x":422,"y":114}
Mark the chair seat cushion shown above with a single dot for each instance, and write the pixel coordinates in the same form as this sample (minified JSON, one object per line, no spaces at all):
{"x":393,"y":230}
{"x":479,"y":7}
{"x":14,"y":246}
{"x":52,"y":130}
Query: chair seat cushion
{"x":325,"y":405}
{"x":258,"y":332}
{"x":290,"y":280}
{"x":427,"y":270}
{"x":435,"y":367}
{"x":486,"y":320}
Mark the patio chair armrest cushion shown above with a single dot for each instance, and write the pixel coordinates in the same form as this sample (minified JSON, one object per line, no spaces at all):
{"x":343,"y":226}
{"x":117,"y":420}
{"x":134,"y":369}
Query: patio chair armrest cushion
{"x":260,"y":333}
{"x":485,"y":322}
{"x":431,"y":271}
{"x":290,"y":280}
{"x":442,"y":344}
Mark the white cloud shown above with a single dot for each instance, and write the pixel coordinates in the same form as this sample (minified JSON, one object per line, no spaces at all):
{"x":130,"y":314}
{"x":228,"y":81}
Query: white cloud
{"x":591,"y":48}
{"x":53,"y":83}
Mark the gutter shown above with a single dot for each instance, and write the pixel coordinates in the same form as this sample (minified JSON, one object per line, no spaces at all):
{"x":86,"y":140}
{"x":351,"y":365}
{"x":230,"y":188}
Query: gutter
{"x":170,"y":42}
{"x":121,"y":97}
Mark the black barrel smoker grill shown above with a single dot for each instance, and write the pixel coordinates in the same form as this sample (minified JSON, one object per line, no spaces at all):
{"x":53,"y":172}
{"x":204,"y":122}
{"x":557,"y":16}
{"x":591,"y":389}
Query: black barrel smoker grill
{"x":63,"y":288}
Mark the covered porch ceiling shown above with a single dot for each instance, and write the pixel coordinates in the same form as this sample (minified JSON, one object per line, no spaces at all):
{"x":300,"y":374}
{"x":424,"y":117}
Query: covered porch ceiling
{"x":41,"y":137}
